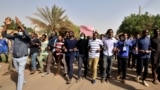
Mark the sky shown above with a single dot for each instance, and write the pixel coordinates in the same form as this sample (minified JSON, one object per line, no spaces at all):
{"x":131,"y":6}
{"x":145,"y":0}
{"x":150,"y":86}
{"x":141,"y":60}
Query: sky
{"x":100,"y":14}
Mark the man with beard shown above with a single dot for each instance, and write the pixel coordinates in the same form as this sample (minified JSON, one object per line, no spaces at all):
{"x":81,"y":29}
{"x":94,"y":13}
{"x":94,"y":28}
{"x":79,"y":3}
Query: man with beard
{"x":95,"y":46}
{"x":70,"y":49}
{"x":109,"y":43}
{"x":144,"y":56}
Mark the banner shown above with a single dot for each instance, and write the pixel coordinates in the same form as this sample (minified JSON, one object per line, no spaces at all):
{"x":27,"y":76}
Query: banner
{"x":88,"y":30}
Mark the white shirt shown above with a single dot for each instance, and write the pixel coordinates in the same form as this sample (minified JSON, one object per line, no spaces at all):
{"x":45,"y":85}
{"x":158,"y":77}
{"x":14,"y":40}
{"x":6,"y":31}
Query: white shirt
{"x":94,"y":46}
{"x":108,"y":44}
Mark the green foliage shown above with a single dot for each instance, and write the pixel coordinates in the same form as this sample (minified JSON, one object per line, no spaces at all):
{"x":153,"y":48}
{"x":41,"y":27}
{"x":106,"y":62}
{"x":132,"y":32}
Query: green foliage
{"x":134,"y":24}
{"x":29,"y":29}
{"x":52,"y":20}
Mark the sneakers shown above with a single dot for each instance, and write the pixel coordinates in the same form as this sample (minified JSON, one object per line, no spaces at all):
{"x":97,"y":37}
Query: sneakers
{"x":68,"y":81}
{"x":93,"y":81}
{"x":155,"y":81}
{"x":145,"y":84}
{"x":65,"y":75}
{"x":40,"y":71}
{"x":56,"y":75}
{"x":78,"y":79}
{"x":118,"y":77}
{"x":44,"y":74}
{"x":33,"y":72}
{"x":123,"y":81}
{"x":133,"y":69}
{"x":138,"y":78}
{"x":103,"y":80}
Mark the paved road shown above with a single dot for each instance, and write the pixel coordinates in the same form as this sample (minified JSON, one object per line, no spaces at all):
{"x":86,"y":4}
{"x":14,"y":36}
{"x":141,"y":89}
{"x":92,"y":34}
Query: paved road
{"x":37,"y":82}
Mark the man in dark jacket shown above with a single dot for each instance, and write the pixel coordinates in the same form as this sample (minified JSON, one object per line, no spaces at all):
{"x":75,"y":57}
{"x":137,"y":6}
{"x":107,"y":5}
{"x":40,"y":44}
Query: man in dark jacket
{"x":82,"y":47}
{"x":155,"y":55}
{"x":20,"y":49}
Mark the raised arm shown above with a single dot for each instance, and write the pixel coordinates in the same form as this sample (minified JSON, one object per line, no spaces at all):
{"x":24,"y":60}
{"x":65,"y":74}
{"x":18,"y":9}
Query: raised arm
{"x":18,"y":22}
{"x":4,"y":30}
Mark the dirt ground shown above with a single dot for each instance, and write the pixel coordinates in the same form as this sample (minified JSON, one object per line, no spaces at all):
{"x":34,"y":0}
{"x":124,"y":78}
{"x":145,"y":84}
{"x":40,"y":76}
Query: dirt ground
{"x":37,"y":82}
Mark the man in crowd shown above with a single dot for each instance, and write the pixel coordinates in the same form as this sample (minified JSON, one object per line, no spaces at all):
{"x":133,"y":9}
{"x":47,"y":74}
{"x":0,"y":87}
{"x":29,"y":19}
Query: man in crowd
{"x":20,"y":49}
{"x":123,"y":54}
{"x":34,"y":51}
{"x":94,"y":46}
{"x":135,"y":51}
{"x":108,"y":50}
{"x":155,"y":56}
{"x":70,"y":48}
{"x":82,"y":47}
{"x":144,"y":56}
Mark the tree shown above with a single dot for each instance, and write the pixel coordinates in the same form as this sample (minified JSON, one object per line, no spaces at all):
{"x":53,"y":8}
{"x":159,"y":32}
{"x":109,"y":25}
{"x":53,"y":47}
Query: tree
{"x":49,"y":20}
{"x":136,"y":23}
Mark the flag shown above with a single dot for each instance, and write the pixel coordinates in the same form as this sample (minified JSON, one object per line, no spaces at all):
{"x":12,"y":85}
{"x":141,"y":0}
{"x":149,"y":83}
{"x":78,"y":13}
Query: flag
{"x":87,"y":30}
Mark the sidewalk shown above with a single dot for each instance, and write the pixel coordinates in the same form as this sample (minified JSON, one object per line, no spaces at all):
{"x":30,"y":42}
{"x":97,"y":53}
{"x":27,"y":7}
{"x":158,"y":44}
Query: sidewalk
{"x":37,"y":82}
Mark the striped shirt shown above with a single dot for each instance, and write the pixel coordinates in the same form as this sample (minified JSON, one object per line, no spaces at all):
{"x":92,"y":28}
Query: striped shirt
{"x":94,"y":46}
{"x":59,"y":47}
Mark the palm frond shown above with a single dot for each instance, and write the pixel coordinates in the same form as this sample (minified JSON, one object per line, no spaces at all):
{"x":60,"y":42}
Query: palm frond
{"x":50,"y":19}
{"x":37,"y":22}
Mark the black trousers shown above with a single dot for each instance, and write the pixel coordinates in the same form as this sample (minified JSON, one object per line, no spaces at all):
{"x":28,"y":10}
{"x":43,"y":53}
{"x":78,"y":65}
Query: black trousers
{"x":142,"y":63}
{"x":122,"y":66}
{"x":129,"y":59}
{"x":134,"y":60}
{"x":155,"y":57}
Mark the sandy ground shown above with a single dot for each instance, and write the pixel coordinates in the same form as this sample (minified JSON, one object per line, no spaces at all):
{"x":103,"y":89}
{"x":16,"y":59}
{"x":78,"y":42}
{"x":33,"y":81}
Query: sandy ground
{"x":37,"y":82}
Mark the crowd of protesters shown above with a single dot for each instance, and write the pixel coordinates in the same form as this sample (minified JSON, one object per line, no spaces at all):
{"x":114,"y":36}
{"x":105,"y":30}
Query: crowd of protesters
{"x":93,"y":53}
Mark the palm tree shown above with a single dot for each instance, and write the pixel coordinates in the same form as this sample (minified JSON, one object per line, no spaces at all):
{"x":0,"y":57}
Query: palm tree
{"x":50,"y":19}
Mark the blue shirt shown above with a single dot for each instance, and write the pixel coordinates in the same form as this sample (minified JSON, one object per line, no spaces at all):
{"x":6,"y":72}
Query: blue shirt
{"x":20,"y":46}
{"x":143,"y":44}
{"x":123,"y":47}
{"x":134,"y":44}
{"x":3,"y":46}
{"x":70,"y":44}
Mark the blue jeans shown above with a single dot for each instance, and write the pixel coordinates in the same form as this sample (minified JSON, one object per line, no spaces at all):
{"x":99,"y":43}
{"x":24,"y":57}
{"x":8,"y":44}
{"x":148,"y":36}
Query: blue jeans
{"x":20,"y":64}
{"x":33,"y":59}
{"x":82,"y":60}
{"x":107,"y":65}
{"x":69,"y":62}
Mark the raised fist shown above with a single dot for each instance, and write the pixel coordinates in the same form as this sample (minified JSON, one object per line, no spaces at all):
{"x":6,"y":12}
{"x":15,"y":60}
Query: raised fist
{"x":7,"y":20}
{"x":17,"y":20}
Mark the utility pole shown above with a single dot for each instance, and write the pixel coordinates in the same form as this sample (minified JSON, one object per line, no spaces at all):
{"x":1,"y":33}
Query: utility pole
{"x":140,"y":9}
